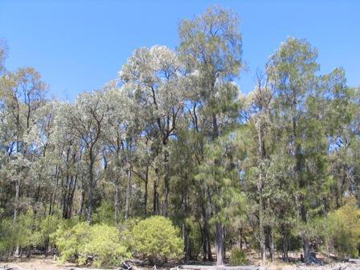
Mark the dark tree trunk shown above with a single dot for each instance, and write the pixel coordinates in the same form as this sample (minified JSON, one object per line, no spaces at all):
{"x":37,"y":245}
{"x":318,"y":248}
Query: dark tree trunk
{"x":116,"y":205}
{"x":306,"y":248}
{"x":186,"y":243}
{"x":146,"y":190}
{"x":219,"y":244}
{"x":128,"y":194}
{"x":271,"y":243}
{"x":91,"y":187}
{"x":156,"y":195}
{"x":166,"y":181}
{"x":285,"y":245}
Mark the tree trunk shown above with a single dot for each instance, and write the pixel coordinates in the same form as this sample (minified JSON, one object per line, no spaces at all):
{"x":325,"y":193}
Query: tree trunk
{"x":166,"y":181}
{"x":146,"y":190}
{"x":208,"y":242}
{"x":128,"y":194}
{"x":156,"y":195}
{"x":241,"y":238}
{"x":219,"y":244}
{"x":91,"y":187}
{"x":186,"y":243}
{"x":260,"y":192}
{"x":306,"y":248}
{"x":261,"y":229}
{"x":17,"y":197}
{"x":203,"y":241}
{"x":271,"y":243}
{"x":285,"y":246}
{"x":116,"y":205}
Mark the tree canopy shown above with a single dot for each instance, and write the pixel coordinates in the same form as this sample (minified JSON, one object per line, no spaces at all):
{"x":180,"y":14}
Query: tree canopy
{"x":173,"y":135}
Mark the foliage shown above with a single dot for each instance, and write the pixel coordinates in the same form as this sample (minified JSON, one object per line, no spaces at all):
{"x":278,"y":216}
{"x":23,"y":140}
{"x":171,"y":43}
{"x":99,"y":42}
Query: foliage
{"x":101,"y":242}
{"x":71,"y":240}
{"x":18,"y":233}
{"x":173,"y":135}
{"x":104,"y":213}
{"x":343,"y":228}
{"x":106,"y":245}
{"x":238,"y":257}
{"x":156,"y":239}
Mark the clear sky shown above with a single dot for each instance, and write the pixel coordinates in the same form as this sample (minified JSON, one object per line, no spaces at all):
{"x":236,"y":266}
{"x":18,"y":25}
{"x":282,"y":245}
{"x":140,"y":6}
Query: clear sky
{"x":80,"y":45}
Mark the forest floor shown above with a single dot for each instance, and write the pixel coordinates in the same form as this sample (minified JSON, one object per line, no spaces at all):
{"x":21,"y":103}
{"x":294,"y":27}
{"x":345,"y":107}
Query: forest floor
{"x":40,"y":263}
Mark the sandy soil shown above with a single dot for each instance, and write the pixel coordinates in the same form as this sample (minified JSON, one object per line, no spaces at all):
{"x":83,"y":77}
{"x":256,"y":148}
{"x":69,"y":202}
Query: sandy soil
{"x":50,"y":264}
{"x":35,"y":264}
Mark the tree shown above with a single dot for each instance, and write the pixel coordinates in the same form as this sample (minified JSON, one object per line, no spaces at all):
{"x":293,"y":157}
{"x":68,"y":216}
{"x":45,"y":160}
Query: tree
{"x":86,"y":122}
{"x":211,"y":45}
{"x":151,"y":77}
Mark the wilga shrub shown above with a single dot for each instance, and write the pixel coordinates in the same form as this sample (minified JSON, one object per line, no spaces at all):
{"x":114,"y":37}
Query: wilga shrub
{"x":238,"y":257}
{"x":156,"y":239}
{"x":105,"y":245}
{"x":20,"y":233}
{"x":100,"y":242}
{"x":343,"y":229}
{"x":70,"y":239}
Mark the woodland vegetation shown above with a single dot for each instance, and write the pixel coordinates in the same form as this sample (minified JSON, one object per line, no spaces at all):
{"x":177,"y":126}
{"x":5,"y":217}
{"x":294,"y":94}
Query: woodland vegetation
{"x":171,"y":160}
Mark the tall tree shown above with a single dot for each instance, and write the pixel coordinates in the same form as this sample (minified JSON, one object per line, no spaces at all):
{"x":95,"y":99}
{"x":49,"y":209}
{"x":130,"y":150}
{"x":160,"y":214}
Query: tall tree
{"x":211,"y":45}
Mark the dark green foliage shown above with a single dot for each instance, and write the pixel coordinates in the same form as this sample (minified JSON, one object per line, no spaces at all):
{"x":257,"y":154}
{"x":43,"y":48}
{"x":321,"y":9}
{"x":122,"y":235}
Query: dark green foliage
{"x":100,"y":243}
{"x":238,"y":257}
{"x":172,"y":138}
{"x":157,"y":239}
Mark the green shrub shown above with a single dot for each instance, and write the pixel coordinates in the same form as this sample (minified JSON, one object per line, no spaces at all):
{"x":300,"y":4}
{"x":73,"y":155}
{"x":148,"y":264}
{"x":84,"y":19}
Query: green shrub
{"x":105,"y":246}
{"x":104,"y":213}
{"x":195,"y":236}
{"x":156,"y":239}
{"x":343,"y":227}
{"x":43,"y":229}
{"x":238,"y":257}
{"x":71,"y":240}
{"x":19,"y":233}
{"x":100,"y":242}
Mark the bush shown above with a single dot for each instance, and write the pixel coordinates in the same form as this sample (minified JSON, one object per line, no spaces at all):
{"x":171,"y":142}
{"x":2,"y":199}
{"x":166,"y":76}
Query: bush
{"x":105,"y":245}
{"x":71,"y":240}
{"x":44,"y":229}
{"x":156,"y":239}
{"x":104,"y":214}
{"x":19,"y":233}
{"x":343,"y":227}
{"x":100,"y":242}
{"x":238,"y":257}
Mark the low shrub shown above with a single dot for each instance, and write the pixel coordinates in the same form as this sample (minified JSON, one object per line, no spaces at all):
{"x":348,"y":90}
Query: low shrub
{"x":238,"y":257}
{"x":102,"y":243}
{"x":156,"y":239}
{"x":343,"y":227}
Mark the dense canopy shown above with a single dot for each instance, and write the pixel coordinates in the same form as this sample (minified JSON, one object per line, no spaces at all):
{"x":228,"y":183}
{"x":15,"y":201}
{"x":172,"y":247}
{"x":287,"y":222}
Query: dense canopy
{"x":277,"y":169}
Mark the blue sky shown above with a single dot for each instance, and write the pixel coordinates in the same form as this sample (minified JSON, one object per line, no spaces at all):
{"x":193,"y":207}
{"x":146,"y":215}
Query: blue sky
{"x":80,"y":45}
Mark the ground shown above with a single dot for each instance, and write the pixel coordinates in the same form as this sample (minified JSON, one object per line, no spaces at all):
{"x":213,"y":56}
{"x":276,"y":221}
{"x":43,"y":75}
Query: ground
{"x":40,"y":263}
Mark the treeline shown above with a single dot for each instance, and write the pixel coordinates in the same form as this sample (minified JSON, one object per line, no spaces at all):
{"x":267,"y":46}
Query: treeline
{"x":274,"y":170}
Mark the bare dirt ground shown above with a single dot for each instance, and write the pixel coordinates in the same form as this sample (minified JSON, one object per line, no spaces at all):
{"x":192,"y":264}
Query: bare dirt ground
{"x":50,"y":264}
{"x":35,"y":264}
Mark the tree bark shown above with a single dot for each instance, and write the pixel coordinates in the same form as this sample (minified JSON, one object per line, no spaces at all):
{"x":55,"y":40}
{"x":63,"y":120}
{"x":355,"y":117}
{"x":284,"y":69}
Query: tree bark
{"x":306,"y":248}
{"x":91,"y":185}
{"x":186,"y":243}
{"x":146,"y":190}
{"x":271,"y":243}
{"x":128,"y":194}
{"x":261,"y":229}
{"x":219,"y":244}
{"x":166,"y":181}
{"x":116,"y":205}
{"x":156,"y":195}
